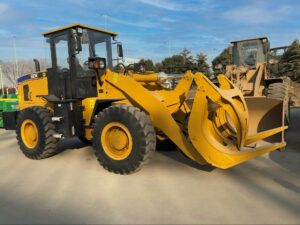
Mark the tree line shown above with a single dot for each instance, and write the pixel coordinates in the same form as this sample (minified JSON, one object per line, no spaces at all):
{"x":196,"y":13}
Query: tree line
{"x":179,"y":63}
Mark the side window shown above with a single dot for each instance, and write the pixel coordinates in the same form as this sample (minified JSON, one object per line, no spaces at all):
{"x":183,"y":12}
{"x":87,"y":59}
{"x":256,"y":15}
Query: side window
{"x":101,"y":46}
{"x":82,"y":57}
{"x":48,"y":53}
{"x":81,"y":60}
{"x":100,"y":49}
{"x":62,"y":52}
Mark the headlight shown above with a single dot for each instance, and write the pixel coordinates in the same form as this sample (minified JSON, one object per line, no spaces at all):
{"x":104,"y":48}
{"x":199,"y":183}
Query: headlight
{"x":97,"y":63}
{"x":101,"y":64}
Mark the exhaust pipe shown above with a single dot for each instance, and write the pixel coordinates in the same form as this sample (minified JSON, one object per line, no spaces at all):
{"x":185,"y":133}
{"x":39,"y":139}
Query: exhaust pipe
{"x":37,"y":65}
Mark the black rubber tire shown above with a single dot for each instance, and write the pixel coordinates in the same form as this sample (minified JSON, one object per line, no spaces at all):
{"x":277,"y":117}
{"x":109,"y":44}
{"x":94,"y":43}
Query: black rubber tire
{"x":143,"y":138}
{"x":84,"y":140}
{"x":280,"y":91}
{"x":47,"y":144}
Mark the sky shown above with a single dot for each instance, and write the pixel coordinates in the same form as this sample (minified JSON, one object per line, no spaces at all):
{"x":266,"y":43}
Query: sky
{"x":152,"y":29}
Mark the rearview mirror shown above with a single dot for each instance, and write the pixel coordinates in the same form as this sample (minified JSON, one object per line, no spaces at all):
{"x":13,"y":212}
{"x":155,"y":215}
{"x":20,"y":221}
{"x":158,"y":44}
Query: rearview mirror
{"x":120,"y":50}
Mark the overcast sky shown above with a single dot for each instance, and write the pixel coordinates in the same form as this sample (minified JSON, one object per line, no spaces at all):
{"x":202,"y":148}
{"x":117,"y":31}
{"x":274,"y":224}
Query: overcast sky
{"x":150,"y":28}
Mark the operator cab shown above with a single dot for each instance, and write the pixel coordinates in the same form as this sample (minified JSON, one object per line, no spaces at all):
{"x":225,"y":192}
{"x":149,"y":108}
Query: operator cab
{"x":249,"y":52}
{"x":73,"y":48}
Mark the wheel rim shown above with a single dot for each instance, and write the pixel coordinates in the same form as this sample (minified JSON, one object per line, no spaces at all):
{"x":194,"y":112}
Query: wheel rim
{"x":116,"y":141}
{"x":29,"y":133}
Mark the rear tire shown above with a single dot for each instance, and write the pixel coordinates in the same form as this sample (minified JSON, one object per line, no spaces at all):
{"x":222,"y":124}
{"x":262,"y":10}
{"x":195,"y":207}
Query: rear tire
{"x":35,"y":133}
{"x":124,"y":139}
{"x":278,"y":91}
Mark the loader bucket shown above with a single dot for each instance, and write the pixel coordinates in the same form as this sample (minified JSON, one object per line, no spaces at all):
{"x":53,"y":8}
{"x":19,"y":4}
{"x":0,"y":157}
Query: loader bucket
{"x":227,"y":129}
{"x":265,"y":114}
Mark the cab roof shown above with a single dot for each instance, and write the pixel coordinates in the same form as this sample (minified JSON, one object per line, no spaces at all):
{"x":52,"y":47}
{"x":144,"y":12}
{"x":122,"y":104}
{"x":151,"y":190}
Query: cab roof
{"x":250,"y":39}
{"x":79,"y":25}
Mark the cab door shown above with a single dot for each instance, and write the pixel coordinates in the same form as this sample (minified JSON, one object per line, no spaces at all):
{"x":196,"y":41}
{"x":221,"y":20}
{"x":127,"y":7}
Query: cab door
{"x":83,"y":78}
{"x":59,"y":76}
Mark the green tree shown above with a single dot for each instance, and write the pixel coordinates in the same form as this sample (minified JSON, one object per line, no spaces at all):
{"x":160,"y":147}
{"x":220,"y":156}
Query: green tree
{"x":221,"y":61}
{"x":187,"y":57}
{"x":158,"y":67}
{"x":149,"y":65}
{"x":290,"y":61}
{"x":202,"y":65}
{"x":117,"y":68}
{"x":174,"y":64}
{"x":184,"y":61}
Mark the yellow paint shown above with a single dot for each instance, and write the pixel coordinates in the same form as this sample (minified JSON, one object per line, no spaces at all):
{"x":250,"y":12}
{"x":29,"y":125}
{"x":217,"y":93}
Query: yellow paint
{"x":88,"y":133}
{"x":37,"y":86}
{"x":88,"y":104}
{"x":215,"y":147}
{"x":29,"y":134}
{"x":116,"y":141}
{"x":249,"y":81}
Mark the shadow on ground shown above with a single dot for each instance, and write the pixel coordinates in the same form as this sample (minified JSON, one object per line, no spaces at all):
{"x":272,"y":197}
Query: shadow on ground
{"x":70,"y":144}
{"x":178,"y":156}
{"x":283,"y":158}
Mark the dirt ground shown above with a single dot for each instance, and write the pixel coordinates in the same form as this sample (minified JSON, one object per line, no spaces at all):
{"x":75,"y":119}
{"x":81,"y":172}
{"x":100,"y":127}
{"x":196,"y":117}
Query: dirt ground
{"x":71,"y":187}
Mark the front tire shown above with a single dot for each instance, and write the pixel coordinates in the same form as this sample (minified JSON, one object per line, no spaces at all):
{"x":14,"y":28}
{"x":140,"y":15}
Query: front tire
{"x":123,"y":138}
{"x":35,"y":133}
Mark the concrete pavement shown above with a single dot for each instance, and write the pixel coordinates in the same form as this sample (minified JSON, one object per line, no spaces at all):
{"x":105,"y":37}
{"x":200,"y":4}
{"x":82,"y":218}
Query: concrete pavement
{"x":71,"y":187}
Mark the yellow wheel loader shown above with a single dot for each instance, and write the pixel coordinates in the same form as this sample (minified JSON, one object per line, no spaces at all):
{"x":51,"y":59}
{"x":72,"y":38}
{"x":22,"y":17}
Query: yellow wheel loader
{"x":124,"y":114}
{"x":250,"y":71}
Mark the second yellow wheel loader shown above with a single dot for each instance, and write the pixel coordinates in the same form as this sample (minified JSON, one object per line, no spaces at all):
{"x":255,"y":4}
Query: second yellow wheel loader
{"x":250,"y":71}
{"x":123,"y":114}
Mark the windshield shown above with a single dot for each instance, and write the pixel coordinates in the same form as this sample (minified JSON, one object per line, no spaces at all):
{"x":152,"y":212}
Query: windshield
{"x":248,"y":53}
{"x":101,"y":46}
